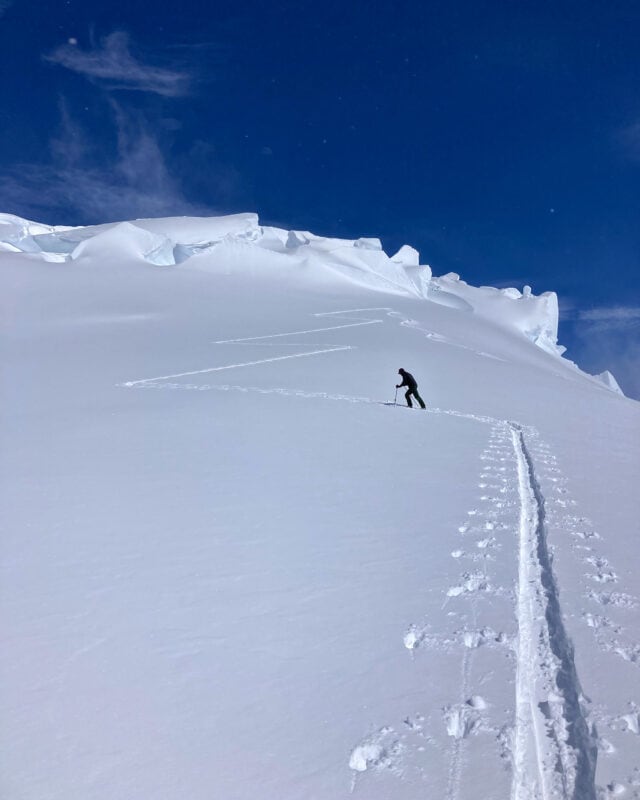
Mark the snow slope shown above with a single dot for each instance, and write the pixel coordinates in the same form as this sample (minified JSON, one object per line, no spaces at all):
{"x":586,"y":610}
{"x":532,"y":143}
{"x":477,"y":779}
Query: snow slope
{"x":229,"y":570}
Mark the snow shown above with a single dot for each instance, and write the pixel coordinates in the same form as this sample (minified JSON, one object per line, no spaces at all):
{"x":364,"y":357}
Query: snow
{"x":609,"y":381}
{"x":230,"y":570}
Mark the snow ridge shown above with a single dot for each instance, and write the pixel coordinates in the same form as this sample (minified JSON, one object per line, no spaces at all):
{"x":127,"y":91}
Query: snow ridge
{"x":238,"y":243}
{"x":554,"y":751}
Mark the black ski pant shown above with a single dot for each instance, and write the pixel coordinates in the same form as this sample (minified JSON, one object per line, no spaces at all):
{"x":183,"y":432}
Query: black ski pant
{"x":414,"y":392}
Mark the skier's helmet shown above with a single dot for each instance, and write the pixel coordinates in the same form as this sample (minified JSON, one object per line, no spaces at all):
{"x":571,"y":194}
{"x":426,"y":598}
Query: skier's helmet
{"x":400,"y":371}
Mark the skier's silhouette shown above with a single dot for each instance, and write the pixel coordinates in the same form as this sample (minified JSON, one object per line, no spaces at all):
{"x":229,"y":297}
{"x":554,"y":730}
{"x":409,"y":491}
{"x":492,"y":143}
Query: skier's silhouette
{"x":412,"y":388}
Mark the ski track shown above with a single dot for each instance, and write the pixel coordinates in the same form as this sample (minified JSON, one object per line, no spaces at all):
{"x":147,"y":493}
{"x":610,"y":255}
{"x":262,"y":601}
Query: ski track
{"x":553,"y":750}
{"x":299,"y":333}
{"x":358,"y":322}
{"x":234,"y":366}
{"x":327,"y":348}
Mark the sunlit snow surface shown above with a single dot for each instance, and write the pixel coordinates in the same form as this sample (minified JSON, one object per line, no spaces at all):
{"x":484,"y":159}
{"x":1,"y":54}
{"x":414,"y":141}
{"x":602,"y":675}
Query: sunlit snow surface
{"x":231,"y":571}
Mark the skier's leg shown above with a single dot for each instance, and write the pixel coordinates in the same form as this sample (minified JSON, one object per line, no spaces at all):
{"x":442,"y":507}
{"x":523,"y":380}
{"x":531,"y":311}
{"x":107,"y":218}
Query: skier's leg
{"x":408,"y":397}
{"x":419,"y":399}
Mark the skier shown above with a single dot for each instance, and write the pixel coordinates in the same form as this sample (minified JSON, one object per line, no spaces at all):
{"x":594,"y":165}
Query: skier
{"x":412,"y":388}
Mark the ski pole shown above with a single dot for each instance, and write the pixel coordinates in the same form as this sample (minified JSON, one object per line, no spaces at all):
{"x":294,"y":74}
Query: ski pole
{"x":395,"y":399}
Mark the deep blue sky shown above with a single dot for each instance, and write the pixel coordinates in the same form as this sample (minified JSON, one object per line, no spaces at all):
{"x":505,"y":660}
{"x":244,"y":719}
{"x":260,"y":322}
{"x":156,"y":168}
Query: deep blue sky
{"x":500,"y":138}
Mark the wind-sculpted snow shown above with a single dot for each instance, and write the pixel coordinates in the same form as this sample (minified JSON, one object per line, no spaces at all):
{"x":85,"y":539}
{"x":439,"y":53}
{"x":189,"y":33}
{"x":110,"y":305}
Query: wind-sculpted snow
{"x":239,"y":243}
{"x":235,"y":564}
{"x":536,"y":317}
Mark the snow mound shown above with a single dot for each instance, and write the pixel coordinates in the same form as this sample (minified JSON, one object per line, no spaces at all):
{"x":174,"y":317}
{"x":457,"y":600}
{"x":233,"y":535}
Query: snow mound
{"x":126,"y":240}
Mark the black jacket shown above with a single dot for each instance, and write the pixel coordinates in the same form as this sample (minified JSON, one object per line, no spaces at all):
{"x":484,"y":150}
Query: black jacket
{"x":409,"y":381}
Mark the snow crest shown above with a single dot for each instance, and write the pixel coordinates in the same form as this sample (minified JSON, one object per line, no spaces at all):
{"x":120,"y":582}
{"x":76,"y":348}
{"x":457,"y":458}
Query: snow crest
{"x":238,"y":243}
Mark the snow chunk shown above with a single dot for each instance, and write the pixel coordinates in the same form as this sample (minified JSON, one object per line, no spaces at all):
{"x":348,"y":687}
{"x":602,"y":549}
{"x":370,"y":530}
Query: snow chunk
{"x":609,"y":381}
{"x":297,"y":239}
{"x":477,"y":701}
{"x":413,"y":638}
{"x":368,"y":243}
{"x":461,"y":721}
{"x":366,"y":755}
{"x":407,"y":256}
{"x":512,"y":294}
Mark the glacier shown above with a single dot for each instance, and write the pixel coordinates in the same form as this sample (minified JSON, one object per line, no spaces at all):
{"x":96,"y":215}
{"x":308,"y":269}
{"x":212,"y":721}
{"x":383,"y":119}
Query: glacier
{"x":235,"y":565}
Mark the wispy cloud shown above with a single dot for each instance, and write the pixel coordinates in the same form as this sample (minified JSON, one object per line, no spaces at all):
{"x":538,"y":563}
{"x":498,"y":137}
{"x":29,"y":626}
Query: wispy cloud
{"x":610,"y":317}
{"x":112,"y":64}
{"x":132,"y":180}
{"x":126,"y":168}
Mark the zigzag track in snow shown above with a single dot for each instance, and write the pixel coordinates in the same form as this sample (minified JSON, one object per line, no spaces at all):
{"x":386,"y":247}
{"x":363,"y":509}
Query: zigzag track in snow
{"x":326,"y":348}
{"x":553,"y":750}
{"x":259,"y":340}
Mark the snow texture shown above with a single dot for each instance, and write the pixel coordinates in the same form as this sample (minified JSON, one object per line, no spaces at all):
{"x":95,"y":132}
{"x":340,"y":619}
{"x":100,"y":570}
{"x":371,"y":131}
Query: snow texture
{"x":233,"y":566}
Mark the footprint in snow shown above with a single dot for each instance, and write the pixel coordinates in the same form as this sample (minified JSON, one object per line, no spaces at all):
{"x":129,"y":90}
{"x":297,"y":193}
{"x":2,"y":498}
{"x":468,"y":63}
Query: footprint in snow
{"x":631,"y":722}
{"x":377,"y":752}
{"x":484,"y":543}
{"x":605,"y":746}
{"x":414,"y":637}
{"x":585,"y":534}
{"x":614,"y":789}
{"x":618,"y":599}
{"x":597,"y":622}
{"x":630,"y":653}
{"x":604,"y":577}
{"x":472,"y":582}
{"x":475,"y":639}
{"x":417,"y":636}
{"x":414,"y":723}
{"x":464,"y":719}
{"x":597,"y":562}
